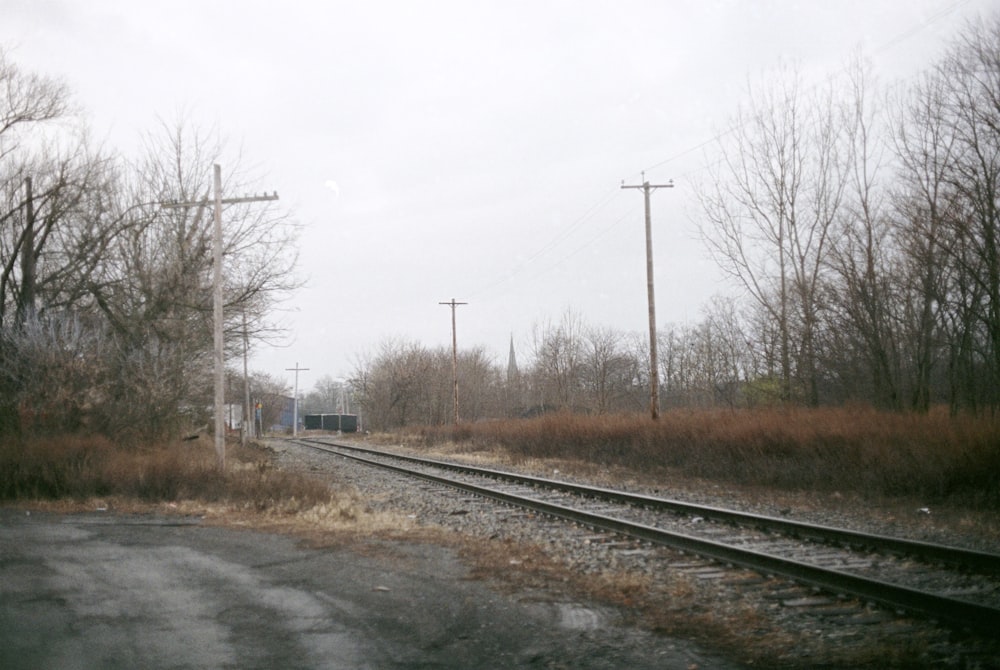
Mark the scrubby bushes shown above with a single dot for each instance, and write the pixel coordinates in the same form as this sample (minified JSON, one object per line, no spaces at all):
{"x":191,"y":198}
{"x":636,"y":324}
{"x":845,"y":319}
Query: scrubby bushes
{"x":73,"y":467}
{"x":934,"y":456}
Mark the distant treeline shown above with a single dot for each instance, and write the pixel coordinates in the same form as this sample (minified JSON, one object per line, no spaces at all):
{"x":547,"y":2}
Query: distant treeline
{"x":862,"y":226}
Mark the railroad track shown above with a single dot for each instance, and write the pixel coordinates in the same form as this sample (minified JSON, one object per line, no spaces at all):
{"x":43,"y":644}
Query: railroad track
{"x":955,"y":586}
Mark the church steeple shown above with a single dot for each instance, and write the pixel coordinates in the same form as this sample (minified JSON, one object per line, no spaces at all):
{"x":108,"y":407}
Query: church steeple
{"x":512,"y":371}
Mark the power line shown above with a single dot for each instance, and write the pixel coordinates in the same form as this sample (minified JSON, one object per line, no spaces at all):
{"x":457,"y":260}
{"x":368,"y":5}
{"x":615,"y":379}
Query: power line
{"x":619,"y":221}
{"x":934,"y":18}
{"x":885,"y":46}
{"x":564,"y":234}
{"x":557,"y":239}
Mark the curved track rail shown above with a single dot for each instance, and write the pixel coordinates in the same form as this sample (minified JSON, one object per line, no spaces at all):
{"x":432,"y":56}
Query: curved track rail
{"x":956,"y":610}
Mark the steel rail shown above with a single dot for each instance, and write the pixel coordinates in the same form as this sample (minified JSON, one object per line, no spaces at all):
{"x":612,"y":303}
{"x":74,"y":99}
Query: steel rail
{"x":957,"y":612}
{"x":965,"y":559}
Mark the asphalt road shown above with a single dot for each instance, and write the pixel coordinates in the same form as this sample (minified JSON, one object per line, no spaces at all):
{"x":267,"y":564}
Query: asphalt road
{"x":111,"y":591}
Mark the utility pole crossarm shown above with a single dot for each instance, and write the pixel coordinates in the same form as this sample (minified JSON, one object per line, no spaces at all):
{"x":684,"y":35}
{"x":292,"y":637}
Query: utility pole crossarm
{"x":647,"y":185}
{"x":174,"y":204}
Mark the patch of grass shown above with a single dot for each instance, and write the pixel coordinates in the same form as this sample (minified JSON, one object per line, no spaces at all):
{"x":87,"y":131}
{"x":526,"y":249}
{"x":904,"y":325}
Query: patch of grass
{"x":934,"y":457}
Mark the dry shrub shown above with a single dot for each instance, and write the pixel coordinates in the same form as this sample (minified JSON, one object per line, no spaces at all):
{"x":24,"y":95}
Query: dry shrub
{"x":78,"y":467}
{"x":933,"y":456}
{"x":52,"y":468}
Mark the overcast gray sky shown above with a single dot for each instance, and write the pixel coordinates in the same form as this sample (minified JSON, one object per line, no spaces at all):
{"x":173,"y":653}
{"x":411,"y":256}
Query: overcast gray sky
{"x":463,"y":149}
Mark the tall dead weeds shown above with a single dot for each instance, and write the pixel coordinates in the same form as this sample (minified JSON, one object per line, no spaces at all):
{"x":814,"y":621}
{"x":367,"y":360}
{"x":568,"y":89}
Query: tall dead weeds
{"x":83,"y":467}
{"x":934,"y":456}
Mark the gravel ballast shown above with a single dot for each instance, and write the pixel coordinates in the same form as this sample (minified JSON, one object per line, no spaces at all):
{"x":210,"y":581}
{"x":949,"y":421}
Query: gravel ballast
{"x":751,"y":618}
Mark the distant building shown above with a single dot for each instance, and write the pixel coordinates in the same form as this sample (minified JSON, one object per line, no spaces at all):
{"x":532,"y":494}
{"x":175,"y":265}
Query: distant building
{"x":287,"y":416}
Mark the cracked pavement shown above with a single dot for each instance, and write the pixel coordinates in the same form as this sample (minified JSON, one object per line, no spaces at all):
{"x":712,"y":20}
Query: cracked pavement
{"x":101,"y":590}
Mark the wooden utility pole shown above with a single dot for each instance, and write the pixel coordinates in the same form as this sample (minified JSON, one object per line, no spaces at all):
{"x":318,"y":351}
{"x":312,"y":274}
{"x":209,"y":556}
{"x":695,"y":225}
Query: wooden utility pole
{"x":454,"y":351}
{"x":654,"y":374}
{"x":217,"y":317}
{"x":295,"y":400}
{"x":217,"y":312}
{"x":246,"y":386}
{"x":26,"y":300}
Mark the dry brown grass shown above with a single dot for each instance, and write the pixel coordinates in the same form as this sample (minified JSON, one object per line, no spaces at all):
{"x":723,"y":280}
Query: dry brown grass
{"x":72,"y":474}
{"x":934,"y":457}
{"x":78,"y":468}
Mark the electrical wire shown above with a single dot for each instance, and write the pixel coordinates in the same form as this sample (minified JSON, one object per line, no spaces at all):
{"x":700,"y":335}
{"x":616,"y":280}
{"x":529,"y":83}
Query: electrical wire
{"x":564,"y":234}
{"x":885,"y":46}
{"x":555,"y":241}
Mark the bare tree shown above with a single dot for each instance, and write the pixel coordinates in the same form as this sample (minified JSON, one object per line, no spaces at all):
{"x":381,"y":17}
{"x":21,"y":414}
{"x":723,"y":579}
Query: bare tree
{"x":479,"y":383}
{"x":606,"y":371}
{"x":725,"y":351}
{"x":556,"y":364}
{"x":47,"y":191}
{"x":26,"y":100}
{"x":84,"y":240}
{"x":154,"y":284}
{"x":971,"y":76}
{"x":393,"y":384}
{"x":864,"y":298}
{"x":327,"y":396}
{"x":51,"y":372}
{"x":677,"y":365}
{"x":948,"y":222}
{"x":924,"y":201}
{"x":51,"y":237}
{"x":769,"y":210}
